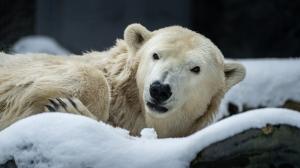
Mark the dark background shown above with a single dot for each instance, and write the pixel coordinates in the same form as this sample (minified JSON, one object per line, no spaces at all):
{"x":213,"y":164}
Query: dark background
{"x":241,"y":28}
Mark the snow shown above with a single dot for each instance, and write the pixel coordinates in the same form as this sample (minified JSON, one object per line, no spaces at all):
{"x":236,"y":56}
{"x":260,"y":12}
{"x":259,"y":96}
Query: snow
{"x":66,"y":140}
{"x":148,"y":133}
{"x":39,"y":44}
{"x":268,"y":83}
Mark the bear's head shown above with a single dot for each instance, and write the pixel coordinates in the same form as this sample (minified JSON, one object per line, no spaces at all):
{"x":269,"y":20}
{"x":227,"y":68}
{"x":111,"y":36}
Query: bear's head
{"x":181,"y":77}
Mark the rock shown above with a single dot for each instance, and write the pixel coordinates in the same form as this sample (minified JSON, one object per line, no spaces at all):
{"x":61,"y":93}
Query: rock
{"x":273,"y":147}
{"x":9,"y":164}
{"x":290,"y":104}
{"x":233,"y":108}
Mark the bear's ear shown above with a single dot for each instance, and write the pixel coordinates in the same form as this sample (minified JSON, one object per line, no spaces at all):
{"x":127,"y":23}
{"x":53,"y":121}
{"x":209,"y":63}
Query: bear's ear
{"x":234,"y":73}
{"x":136,"y":35}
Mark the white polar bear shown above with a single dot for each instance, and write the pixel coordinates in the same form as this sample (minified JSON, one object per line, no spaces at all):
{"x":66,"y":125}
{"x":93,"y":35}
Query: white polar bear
{"x":171,"y":79}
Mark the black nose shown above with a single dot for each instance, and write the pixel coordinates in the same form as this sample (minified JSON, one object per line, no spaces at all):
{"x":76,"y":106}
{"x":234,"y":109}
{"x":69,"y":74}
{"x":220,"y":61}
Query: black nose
{"x":160,"y":92}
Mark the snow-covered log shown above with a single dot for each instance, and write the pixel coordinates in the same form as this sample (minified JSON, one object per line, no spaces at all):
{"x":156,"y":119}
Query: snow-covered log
{"x":265,"y":137}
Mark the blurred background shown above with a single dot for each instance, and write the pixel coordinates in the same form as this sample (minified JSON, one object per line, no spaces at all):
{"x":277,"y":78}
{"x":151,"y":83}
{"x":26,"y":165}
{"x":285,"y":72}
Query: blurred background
{"x":241,"y":28}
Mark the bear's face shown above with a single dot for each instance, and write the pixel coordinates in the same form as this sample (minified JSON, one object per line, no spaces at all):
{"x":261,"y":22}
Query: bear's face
{"x":175,"y":70}
{"x":179,"y":71}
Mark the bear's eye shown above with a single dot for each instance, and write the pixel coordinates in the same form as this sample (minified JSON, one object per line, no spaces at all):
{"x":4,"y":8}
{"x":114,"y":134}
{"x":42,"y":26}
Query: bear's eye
{"x":155,"y":56}
{"x":196,"y":69}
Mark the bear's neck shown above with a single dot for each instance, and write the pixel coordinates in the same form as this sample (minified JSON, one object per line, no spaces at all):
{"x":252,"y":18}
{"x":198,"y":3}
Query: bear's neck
{"x":125,"y":107}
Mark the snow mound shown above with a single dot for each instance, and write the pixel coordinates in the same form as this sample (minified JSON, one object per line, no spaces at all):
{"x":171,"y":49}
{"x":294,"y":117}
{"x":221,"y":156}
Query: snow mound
{"x":65,"y":140}
{"x":268,"y":83}
{"x":148,"y":133}
{"x":39,"y":44}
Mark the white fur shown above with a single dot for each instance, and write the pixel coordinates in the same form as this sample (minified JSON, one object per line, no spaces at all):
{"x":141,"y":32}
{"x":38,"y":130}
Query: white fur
{"x":114,"y":84}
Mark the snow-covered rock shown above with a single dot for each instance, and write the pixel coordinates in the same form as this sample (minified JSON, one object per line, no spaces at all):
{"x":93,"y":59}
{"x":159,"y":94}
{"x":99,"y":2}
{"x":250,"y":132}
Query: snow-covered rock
{"x":268,"y":83}
{"x":39,"y":44}
{"x":67,"y":140}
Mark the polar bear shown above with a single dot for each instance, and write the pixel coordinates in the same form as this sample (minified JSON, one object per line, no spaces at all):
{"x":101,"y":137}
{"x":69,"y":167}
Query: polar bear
{"x":171,"y":79}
